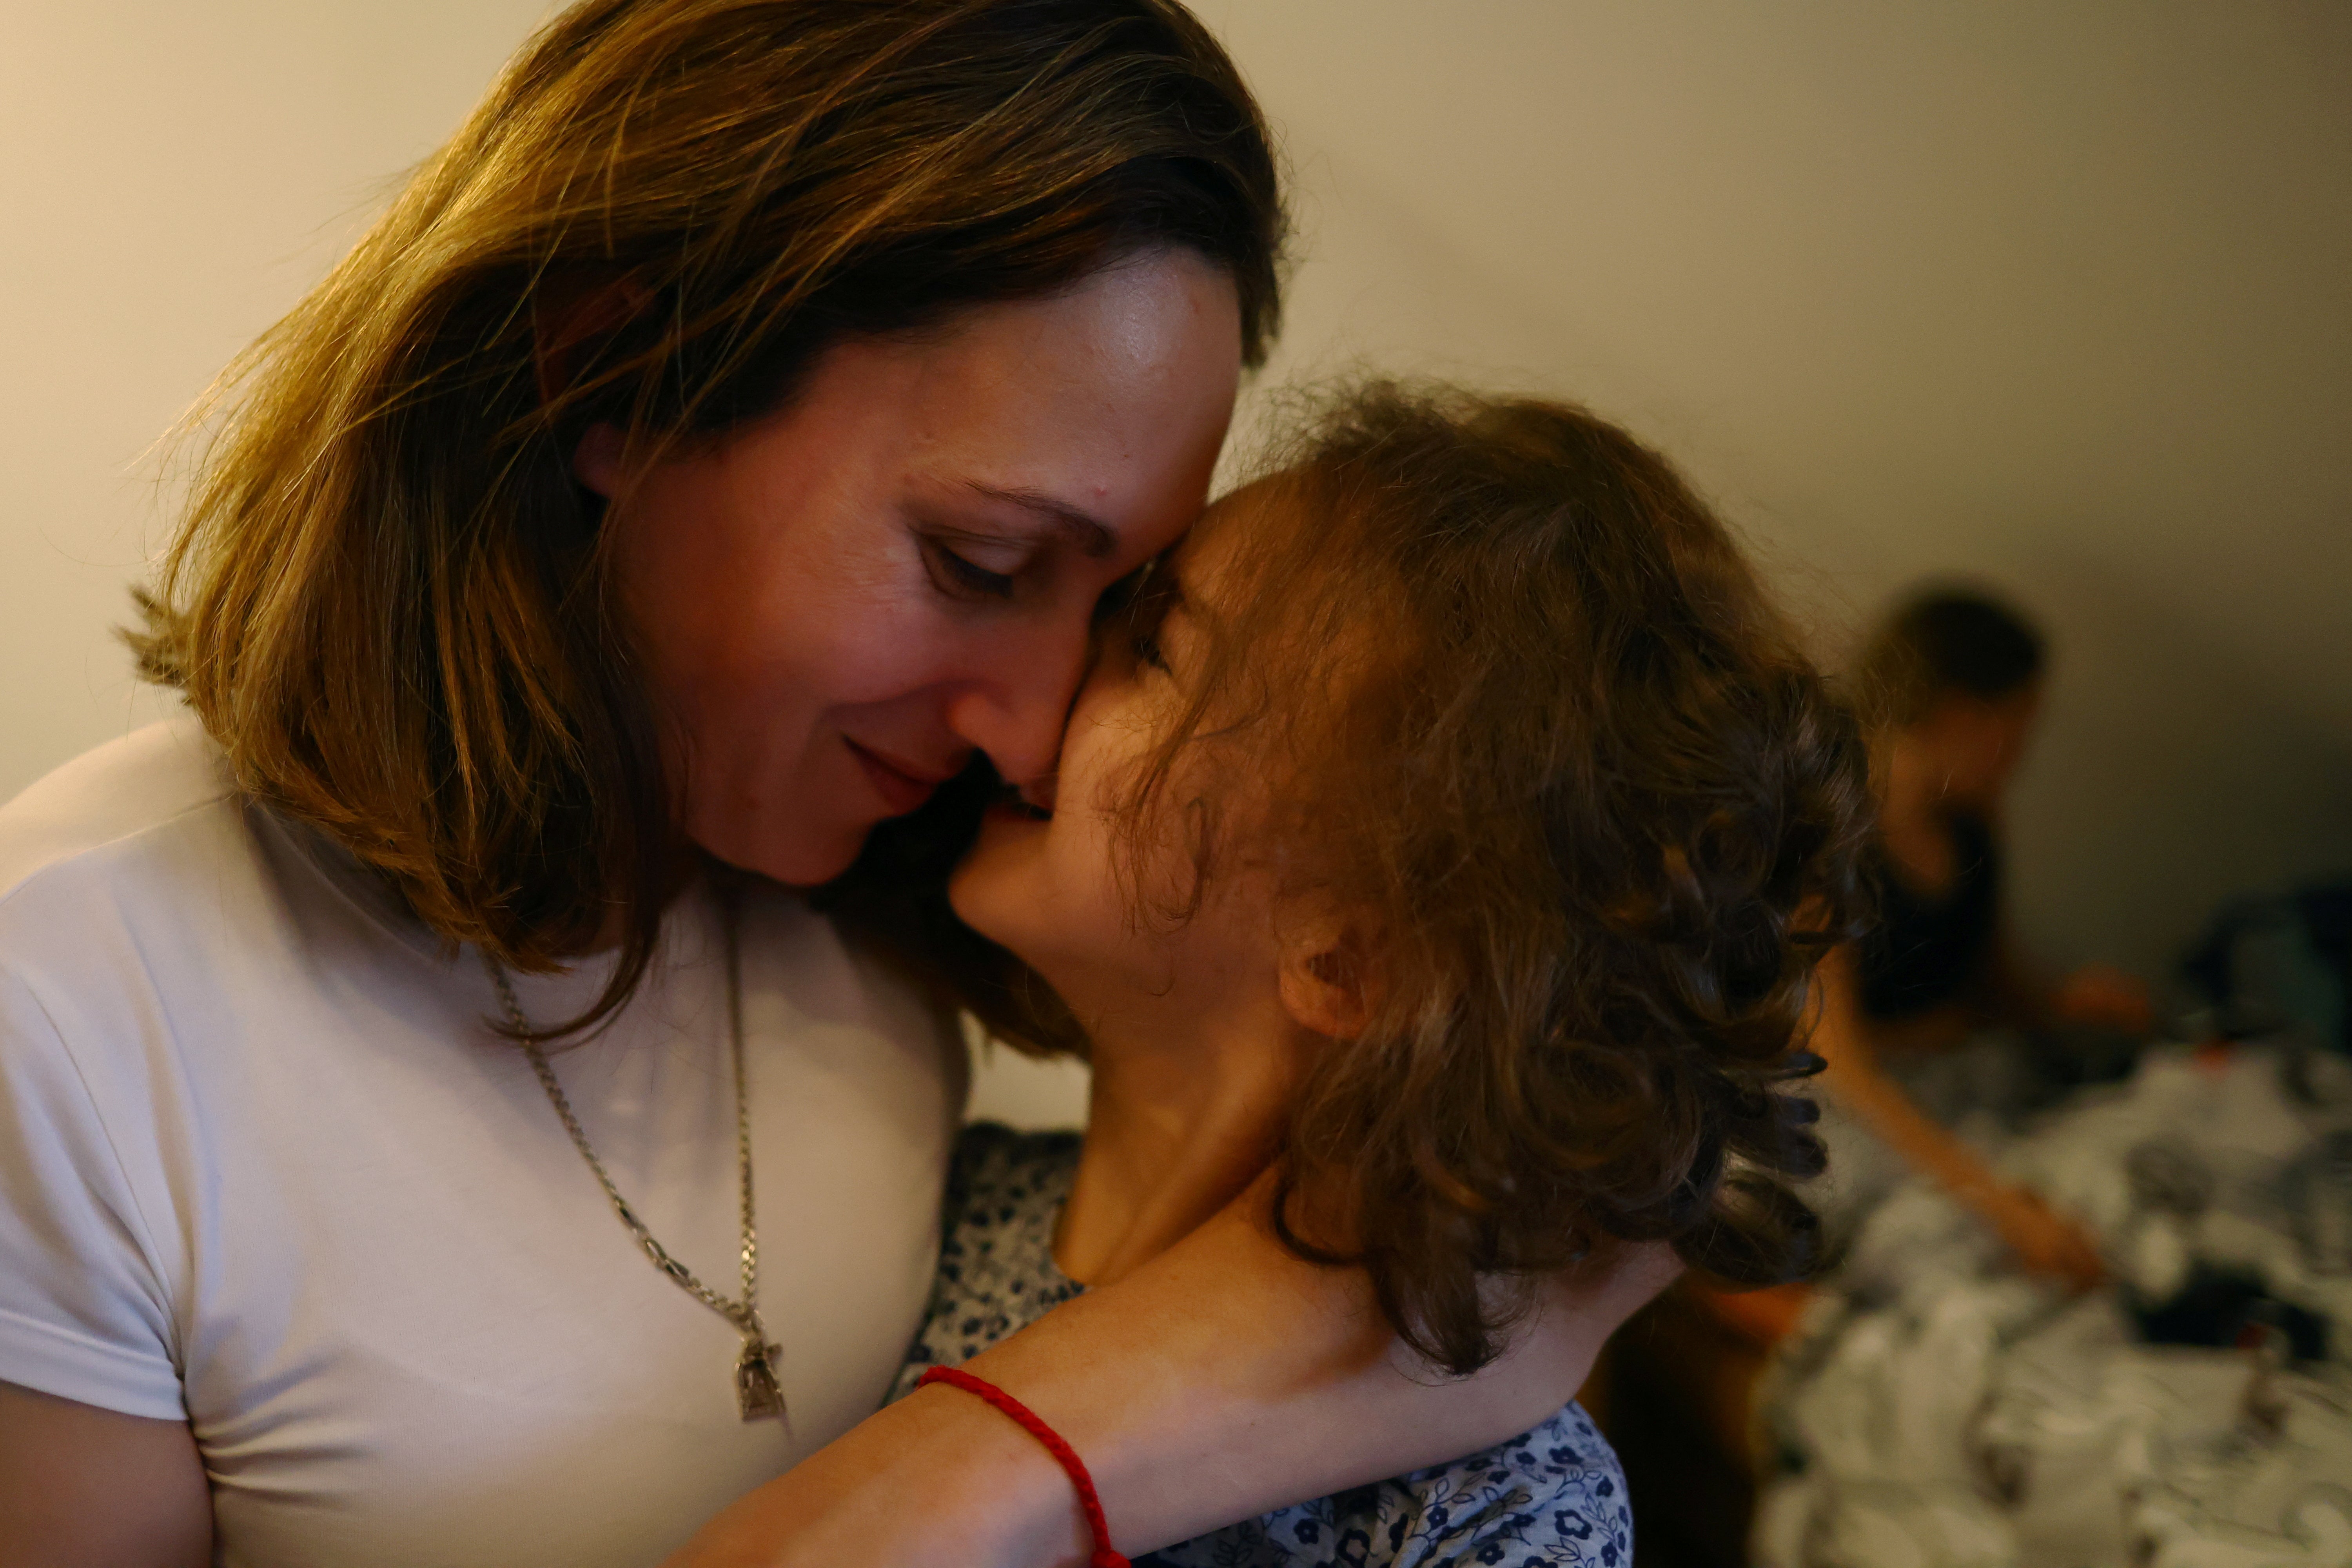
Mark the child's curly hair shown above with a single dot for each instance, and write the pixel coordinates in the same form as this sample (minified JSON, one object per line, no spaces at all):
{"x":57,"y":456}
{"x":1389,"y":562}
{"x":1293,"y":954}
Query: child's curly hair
{"x":1523,"y":710}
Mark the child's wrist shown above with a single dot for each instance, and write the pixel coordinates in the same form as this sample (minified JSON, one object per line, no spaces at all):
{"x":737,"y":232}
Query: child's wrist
{"x":1102,"y":1552}
{"x":931,"y":1481}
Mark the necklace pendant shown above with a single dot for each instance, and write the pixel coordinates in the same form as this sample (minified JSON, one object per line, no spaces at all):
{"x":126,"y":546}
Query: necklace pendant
{"x":757,"y":1394}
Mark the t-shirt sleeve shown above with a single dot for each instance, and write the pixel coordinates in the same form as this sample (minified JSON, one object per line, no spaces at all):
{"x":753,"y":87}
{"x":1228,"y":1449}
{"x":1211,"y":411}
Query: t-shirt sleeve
{"x":1552,"y":1498}
{"x":83,"y":1311}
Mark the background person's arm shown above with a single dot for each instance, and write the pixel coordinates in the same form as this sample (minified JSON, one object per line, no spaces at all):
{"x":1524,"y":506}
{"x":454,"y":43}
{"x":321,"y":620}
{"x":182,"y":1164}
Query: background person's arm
{"x":85,"y":1487}
{"x":2046,"y":1242}
{"x":1224,"y":1378}
{"x":2097,"y":994}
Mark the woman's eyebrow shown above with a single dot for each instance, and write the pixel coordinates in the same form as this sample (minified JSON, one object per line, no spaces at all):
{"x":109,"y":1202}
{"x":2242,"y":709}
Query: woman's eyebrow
{"x":1092,"y":537}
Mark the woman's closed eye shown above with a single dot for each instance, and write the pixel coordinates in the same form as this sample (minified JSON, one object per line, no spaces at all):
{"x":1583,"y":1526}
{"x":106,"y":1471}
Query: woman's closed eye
{"x":961,"y":577}
{"x":1146,"y":644}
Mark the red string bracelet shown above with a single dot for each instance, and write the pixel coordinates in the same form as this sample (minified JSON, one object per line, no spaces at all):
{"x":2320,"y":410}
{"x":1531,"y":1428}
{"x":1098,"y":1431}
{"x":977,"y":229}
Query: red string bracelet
{"x":956,"y":1377}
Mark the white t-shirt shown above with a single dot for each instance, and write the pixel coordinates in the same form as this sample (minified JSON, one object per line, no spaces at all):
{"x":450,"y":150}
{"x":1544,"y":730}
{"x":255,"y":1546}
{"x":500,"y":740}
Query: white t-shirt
{"x":263,"y":1167}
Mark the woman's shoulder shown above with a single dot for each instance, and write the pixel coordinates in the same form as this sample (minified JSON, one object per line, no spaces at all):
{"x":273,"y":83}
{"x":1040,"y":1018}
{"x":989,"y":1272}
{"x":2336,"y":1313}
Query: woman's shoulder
{"x":143,"y":865}
{"x":136,"y":868}
{"x":1551,"y":1497}
{"x":97,"y":818}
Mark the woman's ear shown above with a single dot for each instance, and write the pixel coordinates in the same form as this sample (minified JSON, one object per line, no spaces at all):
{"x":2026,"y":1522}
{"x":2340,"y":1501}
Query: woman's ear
{"x":570,"y":318}
{"x":596,"y":461}
{"x":1325,"y":978}
{"x":569,"y":322}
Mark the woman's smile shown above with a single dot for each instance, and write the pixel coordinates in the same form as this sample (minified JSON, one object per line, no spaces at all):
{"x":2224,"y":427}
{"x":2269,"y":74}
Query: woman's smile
{"x":902,"y":785}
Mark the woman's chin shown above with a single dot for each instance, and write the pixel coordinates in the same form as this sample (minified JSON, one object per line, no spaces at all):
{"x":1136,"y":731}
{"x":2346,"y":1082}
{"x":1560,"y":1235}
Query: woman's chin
{"x":804,"y":858}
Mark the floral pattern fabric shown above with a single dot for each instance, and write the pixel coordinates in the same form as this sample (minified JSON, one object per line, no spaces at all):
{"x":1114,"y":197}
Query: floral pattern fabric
{"x":1553,"y":1498}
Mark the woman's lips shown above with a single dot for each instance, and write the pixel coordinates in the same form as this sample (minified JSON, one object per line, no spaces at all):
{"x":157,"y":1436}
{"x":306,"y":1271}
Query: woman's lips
{"x":901,"y":790}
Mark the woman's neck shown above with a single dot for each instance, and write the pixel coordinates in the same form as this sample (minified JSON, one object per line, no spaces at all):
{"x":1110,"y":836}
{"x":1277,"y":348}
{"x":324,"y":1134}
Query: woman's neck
{"x":1187,"y":1107}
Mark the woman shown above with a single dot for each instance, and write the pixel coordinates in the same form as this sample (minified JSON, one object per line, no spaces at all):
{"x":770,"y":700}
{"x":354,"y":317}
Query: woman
{"x":1958,"y":680}
{"x":1452,"y":827}
{"x":725,"y":440}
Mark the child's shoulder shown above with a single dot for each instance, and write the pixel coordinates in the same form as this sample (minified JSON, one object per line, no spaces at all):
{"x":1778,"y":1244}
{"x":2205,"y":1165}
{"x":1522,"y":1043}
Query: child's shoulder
{"x":1553,"y":1497}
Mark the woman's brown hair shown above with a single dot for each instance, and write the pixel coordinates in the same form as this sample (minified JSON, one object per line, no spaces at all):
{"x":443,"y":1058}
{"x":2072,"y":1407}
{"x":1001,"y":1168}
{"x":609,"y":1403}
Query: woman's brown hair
{"x":1520,"y":708}
{"x":388,"y":604}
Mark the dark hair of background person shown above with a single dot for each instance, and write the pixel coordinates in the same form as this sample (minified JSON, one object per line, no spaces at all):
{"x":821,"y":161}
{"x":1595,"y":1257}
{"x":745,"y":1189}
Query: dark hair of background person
{"x":1518,"y":701}
{"x":1948,"y":641}
{"x":387,"y":603}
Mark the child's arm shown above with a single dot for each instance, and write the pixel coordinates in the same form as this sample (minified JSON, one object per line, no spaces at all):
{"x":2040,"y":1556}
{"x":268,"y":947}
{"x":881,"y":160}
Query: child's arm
{"x":1222,"y":1380}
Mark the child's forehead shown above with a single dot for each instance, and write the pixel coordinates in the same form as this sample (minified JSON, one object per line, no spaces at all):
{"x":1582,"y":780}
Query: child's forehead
{"x":1235,"y":520}
{"x":1258,"y":500}
{"x":1201,"y":573}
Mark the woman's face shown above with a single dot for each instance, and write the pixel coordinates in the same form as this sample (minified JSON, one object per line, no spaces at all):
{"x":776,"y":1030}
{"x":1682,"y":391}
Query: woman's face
{"x":838,"y":603}
{"x":1048,"y":886}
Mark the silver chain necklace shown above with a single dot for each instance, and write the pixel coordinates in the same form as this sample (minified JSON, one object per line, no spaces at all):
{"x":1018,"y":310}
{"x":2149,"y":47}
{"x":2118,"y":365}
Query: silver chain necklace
{"x":758,"y":1395}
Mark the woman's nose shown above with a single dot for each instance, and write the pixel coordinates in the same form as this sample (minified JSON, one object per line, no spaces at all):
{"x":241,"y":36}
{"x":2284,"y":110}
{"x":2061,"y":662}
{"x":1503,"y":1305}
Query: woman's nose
{"x":1017,"y":711}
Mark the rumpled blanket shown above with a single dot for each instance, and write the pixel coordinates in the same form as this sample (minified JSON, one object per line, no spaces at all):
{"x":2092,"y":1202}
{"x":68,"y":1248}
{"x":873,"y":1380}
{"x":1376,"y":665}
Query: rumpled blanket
{"x":1937,"y":1409}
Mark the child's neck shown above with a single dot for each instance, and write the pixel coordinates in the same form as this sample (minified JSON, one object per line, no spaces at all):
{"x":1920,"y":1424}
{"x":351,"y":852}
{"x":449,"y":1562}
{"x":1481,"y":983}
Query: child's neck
{"x":1186,"y":1109}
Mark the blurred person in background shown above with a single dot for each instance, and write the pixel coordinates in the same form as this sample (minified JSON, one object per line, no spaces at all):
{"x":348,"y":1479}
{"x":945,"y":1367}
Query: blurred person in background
{"x":1951,"y":685}
{"x":1954,"y":681}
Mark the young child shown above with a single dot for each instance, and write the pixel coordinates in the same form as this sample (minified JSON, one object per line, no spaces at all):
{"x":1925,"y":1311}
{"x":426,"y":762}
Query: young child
{"x":1448,"y":831}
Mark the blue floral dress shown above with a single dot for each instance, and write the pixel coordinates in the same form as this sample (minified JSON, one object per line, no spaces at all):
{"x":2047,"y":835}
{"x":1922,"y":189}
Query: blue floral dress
{"x":1553,"y":1498}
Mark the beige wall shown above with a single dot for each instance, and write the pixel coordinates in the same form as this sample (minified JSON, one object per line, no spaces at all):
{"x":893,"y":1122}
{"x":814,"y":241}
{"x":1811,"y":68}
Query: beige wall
{"x":2051,"y":295}
{"x":172,"y":177}
{"x":2056,"y":296}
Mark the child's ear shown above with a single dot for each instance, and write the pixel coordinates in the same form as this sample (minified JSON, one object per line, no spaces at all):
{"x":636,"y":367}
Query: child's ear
{"x":1326,"y":981}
